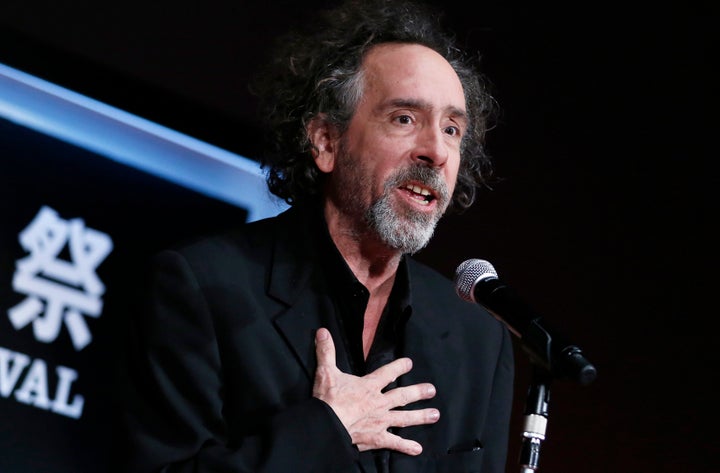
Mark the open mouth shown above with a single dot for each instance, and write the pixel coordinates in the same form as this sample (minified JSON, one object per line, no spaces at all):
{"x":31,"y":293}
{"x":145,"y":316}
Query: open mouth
{"x":420,"y":194}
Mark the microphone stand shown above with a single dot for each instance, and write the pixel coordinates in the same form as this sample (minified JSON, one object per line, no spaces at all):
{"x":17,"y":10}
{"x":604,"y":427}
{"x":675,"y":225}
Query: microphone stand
{"x":536,"y":417}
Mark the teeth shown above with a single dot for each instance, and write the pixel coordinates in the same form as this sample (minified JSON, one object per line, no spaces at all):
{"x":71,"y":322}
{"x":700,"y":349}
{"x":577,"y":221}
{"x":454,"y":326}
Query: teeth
{"x":418,"y":189}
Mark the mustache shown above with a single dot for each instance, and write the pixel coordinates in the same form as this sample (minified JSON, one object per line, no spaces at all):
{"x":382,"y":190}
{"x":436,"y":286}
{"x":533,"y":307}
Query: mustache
{"x":427,"y":176}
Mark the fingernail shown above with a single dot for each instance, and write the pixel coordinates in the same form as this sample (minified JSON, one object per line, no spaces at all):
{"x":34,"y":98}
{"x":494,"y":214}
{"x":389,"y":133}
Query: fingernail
{"x":434,"y":415}
{"x":431,"y":390}
{"x":416,"y":449}
{"x":322,"y":334}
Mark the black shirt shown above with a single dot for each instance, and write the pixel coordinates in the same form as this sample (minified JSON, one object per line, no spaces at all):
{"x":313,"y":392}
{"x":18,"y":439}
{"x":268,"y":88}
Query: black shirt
{"x":350,"y":300}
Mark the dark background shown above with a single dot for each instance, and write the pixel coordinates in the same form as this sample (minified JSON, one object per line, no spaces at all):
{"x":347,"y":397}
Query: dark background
{"x":604,"y":215}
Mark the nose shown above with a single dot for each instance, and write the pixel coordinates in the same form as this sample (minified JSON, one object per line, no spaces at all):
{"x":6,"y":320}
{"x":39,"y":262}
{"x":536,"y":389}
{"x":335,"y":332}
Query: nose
{"x":431,"y":147}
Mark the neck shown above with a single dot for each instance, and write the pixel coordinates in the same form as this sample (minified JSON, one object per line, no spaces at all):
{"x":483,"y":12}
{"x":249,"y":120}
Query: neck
{"x":371,"y":260}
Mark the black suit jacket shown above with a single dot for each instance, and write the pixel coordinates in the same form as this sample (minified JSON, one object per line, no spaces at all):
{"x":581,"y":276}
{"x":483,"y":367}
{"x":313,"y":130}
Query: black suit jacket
{"x":224,"y":362}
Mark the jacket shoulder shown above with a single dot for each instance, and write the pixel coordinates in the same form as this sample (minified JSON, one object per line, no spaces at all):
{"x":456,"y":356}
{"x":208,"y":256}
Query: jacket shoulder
{"x":436,"y":291}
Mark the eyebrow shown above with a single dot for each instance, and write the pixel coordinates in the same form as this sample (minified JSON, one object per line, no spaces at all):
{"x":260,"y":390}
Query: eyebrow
{"x":417,"y":104}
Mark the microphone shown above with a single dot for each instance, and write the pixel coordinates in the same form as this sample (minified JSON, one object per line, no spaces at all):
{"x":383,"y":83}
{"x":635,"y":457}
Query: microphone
{"x":477,"y":281}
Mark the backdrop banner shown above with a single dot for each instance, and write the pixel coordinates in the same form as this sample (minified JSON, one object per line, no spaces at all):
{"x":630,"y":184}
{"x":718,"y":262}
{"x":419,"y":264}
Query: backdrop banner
{"x":77,"y":231}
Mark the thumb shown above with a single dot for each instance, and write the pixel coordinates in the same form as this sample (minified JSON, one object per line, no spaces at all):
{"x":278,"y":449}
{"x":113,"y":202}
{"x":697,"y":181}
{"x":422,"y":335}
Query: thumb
{"x":324,"y":348}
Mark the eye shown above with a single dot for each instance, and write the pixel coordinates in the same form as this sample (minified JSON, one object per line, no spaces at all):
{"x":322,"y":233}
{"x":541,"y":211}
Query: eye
{"x":452,"y":131}
{"x":404,"y":119}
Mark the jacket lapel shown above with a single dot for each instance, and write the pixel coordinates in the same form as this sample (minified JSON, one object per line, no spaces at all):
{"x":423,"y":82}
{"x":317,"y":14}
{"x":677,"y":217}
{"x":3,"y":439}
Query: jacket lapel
{"x":428,"y":342}
{"x":295,"y":280}
{"x":298,"y":325}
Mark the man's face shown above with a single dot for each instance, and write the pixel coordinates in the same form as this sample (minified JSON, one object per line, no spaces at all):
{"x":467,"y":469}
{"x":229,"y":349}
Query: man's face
{"x":395,"y":168}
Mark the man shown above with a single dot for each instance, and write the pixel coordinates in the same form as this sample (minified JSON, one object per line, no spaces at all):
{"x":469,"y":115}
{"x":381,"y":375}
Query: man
{"x":312,"y":341}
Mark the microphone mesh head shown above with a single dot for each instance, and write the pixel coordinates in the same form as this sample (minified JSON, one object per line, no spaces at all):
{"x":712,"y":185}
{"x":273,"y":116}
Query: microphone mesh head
{"x":469,"y":273}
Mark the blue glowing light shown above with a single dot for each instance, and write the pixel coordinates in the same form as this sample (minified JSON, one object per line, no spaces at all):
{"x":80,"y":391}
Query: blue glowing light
{"x":134,"y":141}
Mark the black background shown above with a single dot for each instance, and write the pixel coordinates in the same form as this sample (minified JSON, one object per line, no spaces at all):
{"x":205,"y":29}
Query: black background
{"x":604,"y":219}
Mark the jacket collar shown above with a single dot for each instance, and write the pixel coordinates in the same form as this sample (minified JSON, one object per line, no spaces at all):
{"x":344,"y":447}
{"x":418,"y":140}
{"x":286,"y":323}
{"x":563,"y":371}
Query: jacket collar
{"x":295,"y":281}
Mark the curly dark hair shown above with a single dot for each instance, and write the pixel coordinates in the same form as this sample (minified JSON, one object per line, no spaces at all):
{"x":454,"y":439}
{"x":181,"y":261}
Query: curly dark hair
{"x":315,"y":70}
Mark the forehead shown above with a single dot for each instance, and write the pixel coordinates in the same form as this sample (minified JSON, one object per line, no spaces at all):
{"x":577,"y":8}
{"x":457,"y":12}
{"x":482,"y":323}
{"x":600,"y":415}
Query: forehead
{"x":411,"y":71}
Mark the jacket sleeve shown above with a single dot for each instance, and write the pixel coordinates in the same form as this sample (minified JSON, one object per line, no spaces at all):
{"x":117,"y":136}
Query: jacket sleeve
{"x":175,"y":413}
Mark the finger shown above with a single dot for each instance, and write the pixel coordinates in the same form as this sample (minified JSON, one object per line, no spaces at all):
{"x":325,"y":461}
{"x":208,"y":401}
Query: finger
{"x":395,"y":442}
{"x":324,"y":348}
{"x":390,"y":372}
{"x":405,"y":395}
{"x":415,"y":417}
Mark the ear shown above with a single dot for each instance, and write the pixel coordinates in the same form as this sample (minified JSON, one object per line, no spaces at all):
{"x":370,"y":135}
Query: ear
{"x":323,"y":141}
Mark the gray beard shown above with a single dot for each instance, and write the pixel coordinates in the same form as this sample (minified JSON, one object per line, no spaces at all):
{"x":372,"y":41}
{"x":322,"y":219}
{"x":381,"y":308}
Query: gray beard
{"x":406,"y":230}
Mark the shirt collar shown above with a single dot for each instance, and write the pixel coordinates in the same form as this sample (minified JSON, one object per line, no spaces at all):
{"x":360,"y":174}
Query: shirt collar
{"x":337,"y":269}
